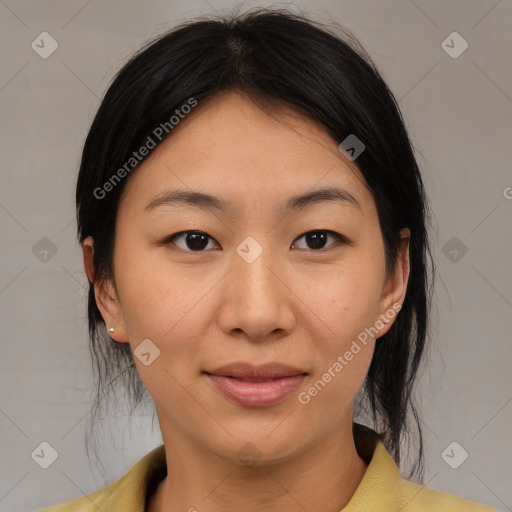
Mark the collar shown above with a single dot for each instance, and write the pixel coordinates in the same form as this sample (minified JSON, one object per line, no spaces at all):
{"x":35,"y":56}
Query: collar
{"x":381,"y":486}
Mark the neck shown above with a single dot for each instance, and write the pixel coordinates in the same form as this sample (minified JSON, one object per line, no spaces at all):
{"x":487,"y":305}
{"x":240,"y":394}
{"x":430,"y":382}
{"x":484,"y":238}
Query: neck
{"x":322,"y":478}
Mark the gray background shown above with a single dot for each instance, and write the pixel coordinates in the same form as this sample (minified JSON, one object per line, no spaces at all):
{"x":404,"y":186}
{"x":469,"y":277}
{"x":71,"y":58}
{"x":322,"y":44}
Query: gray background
{"x":459,"y":115}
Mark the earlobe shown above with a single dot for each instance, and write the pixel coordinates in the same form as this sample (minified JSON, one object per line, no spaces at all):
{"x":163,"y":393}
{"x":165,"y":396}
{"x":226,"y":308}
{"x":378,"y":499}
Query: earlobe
{"x":106,"y":297}
{"x":393,"y":294}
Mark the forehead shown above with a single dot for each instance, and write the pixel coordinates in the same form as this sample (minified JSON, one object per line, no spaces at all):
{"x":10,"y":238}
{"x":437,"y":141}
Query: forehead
{"x":230,"y":148}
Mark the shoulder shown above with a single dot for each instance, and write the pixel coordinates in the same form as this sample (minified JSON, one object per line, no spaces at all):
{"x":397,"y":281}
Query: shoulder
{"x":383,"y":488}
{"x":127,"y":494}
{"x":417,"y":498}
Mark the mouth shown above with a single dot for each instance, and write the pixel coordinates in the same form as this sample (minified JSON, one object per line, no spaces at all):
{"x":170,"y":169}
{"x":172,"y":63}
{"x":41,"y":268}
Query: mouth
{"x":261,"y":386}
{"x":268,"y":371}
{"x":250,"y":380}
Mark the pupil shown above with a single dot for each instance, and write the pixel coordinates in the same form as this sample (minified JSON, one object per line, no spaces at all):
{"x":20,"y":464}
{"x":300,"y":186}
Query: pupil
{"x":316,"y":240}
{"x":197,"y":241}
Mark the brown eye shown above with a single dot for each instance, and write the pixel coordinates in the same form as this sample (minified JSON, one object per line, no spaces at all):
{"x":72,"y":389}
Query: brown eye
{"x":194,"y":241}
{"x":316,"y":240}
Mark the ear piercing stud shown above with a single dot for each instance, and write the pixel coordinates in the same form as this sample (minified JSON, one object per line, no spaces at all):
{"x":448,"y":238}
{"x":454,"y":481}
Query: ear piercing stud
{"x":111,"y":329}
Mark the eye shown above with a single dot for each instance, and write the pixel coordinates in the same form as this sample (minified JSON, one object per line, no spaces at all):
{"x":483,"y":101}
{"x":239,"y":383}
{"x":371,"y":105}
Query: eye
{"x":316,"y":239}
{"x":195,"y":241}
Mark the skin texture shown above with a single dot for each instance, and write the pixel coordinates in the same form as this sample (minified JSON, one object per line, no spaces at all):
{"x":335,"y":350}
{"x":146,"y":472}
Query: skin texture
{"x":294,"y":304}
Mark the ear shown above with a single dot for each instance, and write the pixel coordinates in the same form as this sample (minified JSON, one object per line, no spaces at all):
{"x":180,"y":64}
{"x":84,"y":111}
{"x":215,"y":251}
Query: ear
{"x":395,"y":287}
{"x":106,"y":297}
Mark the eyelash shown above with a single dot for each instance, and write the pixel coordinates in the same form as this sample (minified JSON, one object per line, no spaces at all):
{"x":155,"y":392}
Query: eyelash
{"x":339,"y":239}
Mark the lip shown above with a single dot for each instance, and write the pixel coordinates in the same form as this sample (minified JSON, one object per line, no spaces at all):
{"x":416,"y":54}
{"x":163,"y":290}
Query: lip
{"x":256,"y":386}
{"x":242,"y":370}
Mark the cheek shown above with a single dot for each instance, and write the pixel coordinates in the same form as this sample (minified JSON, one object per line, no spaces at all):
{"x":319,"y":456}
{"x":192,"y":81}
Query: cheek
{"x":168,"y":308}
{"x":160,"y":301}
{"x":346,"y":308}
{"x":345,"y":297}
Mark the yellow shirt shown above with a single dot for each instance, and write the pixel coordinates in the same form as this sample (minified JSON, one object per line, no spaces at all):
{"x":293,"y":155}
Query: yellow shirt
{"x":382,"y":488}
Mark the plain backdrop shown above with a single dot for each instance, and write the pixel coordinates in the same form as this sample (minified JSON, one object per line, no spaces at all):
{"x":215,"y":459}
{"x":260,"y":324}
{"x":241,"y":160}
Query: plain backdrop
{"x":457,"y":104}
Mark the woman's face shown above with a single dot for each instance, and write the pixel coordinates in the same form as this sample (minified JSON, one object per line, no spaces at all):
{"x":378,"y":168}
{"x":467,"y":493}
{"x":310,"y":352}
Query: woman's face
{"x":256,"y":287}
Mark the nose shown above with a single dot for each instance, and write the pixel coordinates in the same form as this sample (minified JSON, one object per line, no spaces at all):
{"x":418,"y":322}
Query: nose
{"x":257,"y":297}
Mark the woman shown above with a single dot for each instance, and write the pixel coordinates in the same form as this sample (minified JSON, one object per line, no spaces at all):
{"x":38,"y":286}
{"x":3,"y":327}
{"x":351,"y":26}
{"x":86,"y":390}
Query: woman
{"x":254,"y":230}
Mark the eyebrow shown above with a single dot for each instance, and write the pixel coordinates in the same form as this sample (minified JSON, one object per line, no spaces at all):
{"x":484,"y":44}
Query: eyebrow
{"x":206,"y":201}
